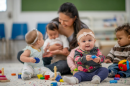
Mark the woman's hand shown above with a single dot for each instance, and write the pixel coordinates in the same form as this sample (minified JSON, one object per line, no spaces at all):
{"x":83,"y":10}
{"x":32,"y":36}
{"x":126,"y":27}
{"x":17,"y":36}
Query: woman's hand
{"x":107,"y":61}
{"x":56,"y":47}
{"x":48,"y":54}
{"x":32,"y":60}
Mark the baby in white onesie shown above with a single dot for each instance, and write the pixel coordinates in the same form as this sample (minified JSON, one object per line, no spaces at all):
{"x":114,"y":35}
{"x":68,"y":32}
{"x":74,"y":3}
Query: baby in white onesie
{"x":55,"y":38}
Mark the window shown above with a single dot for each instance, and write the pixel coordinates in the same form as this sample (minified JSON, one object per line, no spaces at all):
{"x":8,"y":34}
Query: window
{"x":3,"y":5}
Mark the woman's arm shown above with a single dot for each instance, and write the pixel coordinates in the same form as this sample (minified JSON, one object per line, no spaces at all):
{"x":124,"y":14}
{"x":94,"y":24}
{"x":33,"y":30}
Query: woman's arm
{"x":25,"y":57}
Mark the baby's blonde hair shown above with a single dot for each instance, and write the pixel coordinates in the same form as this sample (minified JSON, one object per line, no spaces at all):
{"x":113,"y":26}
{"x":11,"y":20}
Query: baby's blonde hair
{"x":83,"y":30}
{"x":31,"y":36}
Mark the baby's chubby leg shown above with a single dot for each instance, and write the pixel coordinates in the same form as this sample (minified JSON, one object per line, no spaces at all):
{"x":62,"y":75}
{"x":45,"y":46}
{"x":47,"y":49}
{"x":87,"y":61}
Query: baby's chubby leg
{"x":27,"y":72}
{"x":47,"y":71}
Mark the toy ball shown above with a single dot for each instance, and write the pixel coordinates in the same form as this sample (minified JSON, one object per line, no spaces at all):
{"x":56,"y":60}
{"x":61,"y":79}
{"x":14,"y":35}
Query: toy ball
{"x":93,"y":57}
{"x":37,"y":60}
{"x":123,"y":65}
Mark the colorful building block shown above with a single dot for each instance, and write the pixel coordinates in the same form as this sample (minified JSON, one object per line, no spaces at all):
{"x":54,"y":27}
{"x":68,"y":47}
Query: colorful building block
{"x":61,"y":80}
{"x":47,"y":77}
{"x":39,"y":75}
{"x":54,"y":84}
{"x":58,"y":78}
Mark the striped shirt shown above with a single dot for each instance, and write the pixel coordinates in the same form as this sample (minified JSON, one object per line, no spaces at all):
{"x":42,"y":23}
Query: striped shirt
{"x":119,"y":53}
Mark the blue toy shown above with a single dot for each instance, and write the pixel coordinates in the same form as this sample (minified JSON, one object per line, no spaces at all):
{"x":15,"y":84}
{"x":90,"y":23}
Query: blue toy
{"x":37,"y":60}
{"x":113,"y":81}
{"x":116,"y":78}
{"x":93,"y":57}
{"x":54,"y":84}
{"x":58,"y":78}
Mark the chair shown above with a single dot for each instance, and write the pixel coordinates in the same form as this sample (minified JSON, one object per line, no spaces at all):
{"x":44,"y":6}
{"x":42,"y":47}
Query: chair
{"x":42,"y":28}
{"x":2,"y":37}
{"x":19,"y":31}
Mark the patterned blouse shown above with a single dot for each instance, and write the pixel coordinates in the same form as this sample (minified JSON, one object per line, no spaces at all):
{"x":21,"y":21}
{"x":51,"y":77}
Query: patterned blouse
{"x":83,"y":64}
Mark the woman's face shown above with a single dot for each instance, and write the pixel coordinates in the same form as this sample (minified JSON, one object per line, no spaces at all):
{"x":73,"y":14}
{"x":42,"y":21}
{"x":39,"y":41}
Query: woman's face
{"x":65,"y":20}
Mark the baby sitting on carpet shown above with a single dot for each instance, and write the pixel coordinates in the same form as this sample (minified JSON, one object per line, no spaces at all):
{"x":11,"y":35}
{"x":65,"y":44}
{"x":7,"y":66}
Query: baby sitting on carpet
{"x":34,"y":49}
{"x":89,"y":69}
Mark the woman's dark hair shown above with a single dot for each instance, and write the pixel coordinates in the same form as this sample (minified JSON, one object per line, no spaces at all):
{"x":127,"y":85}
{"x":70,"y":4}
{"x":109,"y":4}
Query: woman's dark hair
{"x":52,"y":26}
{"x":125,"y":27}
{"x":70,"y":10}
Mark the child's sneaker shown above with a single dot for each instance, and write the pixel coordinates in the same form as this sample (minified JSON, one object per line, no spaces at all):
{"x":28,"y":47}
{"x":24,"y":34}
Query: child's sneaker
{"x":111,"y":73}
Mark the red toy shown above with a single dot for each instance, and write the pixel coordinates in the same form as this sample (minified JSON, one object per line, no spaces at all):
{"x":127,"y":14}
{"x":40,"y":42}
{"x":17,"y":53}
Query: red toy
{"x":123,"y":65}
{"x":47,"y":77}
{"x":117,"y":75}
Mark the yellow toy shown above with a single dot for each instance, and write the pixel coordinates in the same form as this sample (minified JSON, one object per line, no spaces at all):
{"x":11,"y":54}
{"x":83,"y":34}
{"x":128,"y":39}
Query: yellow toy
{"x":39,"y":75}
{"x":123,"y":65}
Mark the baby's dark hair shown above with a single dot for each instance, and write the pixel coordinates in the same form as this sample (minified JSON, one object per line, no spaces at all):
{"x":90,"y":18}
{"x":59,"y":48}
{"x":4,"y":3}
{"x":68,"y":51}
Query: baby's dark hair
{"x":52,"y":26}
{"x":125,"y":27}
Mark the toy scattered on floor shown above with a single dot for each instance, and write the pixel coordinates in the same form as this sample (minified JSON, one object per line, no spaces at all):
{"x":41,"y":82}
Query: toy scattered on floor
{"x":55,"y":74}
{"x":47,"y":77}
{"x":54,"y":84}
{"x":113,"y":81}
{"x":13,"y":74}
{"x":58,"y":78}
{"x":3,"y":77}
{"x":117,"y":75}
{"x":39,"y":75}
{"x":19,"y":75}
{"x":37,"y":60}
{"x":116,"y":78}
{"x":93,"y":57}
{"x":123,"y":65}
{"x":61,"y":80}
{"x":42,"y":78}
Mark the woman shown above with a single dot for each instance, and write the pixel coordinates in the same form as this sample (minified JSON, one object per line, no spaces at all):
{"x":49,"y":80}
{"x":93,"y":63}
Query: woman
{"x":69,"y":25}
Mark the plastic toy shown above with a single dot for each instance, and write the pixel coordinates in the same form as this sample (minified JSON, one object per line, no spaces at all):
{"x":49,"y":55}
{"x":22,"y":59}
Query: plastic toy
{"x":123,"y":65}
{"x":37,"y":60}
{"x":42,"y":77}
{"x":117,"y":75}
{"x":58,"y":78}
{"x":39,"y":75}
{"x":116,"y":78}
{"x":54,"y":84}
{"x":55,"y":70}
{"x":61,"y":80}
{"x":93,"y":57}
{"x":3,"y":77}
{"x":47,"y":77}
{"x":13,"y":74}
{"x":75,"y":71}
{"x":113,"y":81}
{"x":19,"y":76}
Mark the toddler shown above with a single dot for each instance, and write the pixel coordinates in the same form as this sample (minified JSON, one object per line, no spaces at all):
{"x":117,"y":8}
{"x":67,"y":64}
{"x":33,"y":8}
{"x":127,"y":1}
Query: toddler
{"x":121,"y":51}
{"x":55,"y":38}
{"x":89,"y":69}
{"x":35,"y":42}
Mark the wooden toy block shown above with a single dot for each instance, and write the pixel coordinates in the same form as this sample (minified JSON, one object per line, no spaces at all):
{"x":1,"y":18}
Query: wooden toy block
{"x":3,"y":77}
{"x":61,"y":80}
{"x":55,"y":70}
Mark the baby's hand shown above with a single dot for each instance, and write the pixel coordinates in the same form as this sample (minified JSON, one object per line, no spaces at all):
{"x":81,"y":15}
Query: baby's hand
{"x":97,"y":60}
{"x":88,"y":57}
{"x":32,"y":60}
{"x":107,"y":61}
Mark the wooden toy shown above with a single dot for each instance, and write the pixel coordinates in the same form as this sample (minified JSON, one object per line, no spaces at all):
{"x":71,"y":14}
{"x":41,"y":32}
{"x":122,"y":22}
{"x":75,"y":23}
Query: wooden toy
{"x":55,"y":70}
{"x":39,"y":75}
{"x":47,"y":77}
{"x":3,"y":77}
{"x":13,"y":74}
{"x":61,"y":80}
{"x":58,"y":78}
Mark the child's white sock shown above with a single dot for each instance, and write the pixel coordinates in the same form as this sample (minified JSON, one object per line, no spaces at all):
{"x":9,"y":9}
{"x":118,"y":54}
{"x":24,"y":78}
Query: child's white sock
{"x":26,"y":75}
{"x":96,"y":79}
{"x":70,"y":80}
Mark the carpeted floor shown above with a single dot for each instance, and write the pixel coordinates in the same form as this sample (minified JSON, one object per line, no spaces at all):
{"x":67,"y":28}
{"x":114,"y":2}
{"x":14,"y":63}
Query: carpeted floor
{"x":16,"y":68}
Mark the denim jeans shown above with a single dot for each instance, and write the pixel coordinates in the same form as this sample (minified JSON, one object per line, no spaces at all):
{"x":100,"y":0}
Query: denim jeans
{"x":116,"y":70}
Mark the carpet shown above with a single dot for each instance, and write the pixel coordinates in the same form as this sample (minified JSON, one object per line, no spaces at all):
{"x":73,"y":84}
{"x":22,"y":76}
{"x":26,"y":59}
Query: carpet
{"x":17,"y":67}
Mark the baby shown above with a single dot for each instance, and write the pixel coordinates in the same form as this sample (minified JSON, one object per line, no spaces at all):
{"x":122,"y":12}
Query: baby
{"x":89,"y":69}
{"x":55,"y":38}
{"x":32,"y":53}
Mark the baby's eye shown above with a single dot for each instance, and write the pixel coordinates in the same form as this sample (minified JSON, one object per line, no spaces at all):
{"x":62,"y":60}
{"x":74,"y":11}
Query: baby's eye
{"x":89,"y":40}
{"x":83,"y":41}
